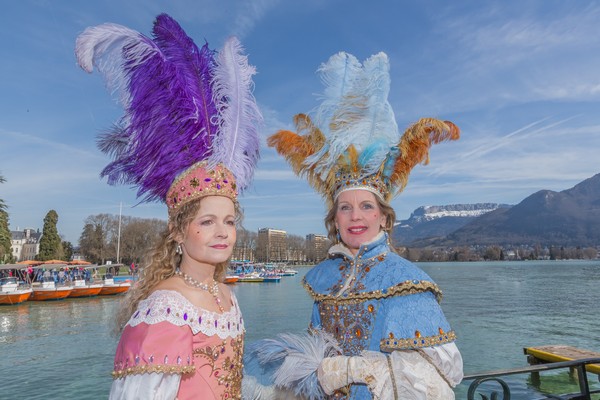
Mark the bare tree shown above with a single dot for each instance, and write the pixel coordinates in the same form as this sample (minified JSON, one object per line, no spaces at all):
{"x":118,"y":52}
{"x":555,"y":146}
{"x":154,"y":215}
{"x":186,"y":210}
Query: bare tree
{"x":138,"y":236}
{"x":245,"y":245}
{"x":95,"y":240}
{"x":296,"y":248}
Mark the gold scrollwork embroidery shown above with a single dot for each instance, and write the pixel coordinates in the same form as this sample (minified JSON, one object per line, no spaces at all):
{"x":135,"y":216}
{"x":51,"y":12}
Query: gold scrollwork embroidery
{"x":228,"y":372}
{"x":147,"y":369}
{"x":402,"y":289}
{"x":391,"y":343}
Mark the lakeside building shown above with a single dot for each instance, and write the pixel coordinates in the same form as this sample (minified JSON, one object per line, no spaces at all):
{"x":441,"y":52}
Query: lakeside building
{"x":316,"y":247}
{"x":271,"y":245}
{"x":25,"y":245}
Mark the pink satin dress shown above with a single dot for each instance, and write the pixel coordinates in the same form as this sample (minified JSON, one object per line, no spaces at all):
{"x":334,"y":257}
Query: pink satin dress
{"x":169,"y":335}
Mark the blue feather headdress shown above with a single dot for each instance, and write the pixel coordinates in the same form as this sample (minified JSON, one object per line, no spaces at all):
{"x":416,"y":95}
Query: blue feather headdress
{"x":354,"y":141}
{"x":191,"y":124}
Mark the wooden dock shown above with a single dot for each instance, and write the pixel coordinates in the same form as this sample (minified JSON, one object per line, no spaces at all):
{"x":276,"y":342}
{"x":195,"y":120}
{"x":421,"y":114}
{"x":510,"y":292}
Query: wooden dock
{"x":556,"y":353}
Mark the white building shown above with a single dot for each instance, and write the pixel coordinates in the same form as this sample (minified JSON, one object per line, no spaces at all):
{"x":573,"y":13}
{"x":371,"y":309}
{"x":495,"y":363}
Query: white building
{"x":25,"y":244}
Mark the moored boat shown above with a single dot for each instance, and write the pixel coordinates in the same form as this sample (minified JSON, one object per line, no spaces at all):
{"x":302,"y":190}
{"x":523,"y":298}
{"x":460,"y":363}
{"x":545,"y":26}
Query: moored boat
{"x":289,"y":272}
{"x":251,"y":277}
{"x":110,"y":287}
{"x":231,"y":278}
{"x":82,"y":289}
{"x":48,"y":290}
{"x":10,"y":293}
{"x":271,"y":277}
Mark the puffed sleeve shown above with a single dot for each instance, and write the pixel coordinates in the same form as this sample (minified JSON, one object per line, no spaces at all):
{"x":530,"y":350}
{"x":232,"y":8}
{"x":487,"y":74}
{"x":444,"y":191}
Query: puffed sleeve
{"x":415,"y":323}
{"x":150,"y":360}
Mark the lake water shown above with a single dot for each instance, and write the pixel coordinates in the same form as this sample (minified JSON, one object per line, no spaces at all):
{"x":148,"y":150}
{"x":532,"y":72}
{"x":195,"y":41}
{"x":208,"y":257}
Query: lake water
{"x":64,"y":349}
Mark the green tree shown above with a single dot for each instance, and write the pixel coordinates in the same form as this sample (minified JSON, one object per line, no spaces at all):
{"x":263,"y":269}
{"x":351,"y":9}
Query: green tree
{"x":50,"y":242}
{"x":2,"y":204}
{"x":68,"y":250}
{"x":5,"y":245}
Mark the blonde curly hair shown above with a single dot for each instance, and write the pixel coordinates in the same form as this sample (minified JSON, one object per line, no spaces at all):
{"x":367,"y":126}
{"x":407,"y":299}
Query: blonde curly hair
{"x":164,"y":260}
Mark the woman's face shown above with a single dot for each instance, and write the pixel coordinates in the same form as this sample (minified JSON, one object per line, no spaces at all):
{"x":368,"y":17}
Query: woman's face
{"x":358,"y":218}
{"x":210,"y":236}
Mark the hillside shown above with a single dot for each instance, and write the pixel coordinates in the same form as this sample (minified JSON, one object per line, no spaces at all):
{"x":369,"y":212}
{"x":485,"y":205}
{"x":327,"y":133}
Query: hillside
{"x":434,"y":222}
{"x":567,"y":218}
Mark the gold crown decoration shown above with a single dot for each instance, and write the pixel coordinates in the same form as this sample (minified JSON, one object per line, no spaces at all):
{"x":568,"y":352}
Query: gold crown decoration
{"x":198,"y":181}
{"x":353,"y":141}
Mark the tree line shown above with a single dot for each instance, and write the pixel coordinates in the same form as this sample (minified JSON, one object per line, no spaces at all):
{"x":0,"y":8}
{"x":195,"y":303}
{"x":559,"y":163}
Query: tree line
{"x":107,"y":237}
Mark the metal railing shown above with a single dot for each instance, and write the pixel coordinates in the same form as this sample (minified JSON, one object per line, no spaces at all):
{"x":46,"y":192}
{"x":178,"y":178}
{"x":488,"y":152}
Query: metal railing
{"x":576,"y":367}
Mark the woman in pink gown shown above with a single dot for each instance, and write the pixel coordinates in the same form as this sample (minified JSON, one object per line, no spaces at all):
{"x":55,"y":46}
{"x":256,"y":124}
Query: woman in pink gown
{"x":189,"y":138}
{"x":185,"y":338}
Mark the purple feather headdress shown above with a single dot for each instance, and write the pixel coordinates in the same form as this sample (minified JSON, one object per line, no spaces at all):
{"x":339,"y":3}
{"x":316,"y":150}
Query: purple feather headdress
{"x":185,"y":108}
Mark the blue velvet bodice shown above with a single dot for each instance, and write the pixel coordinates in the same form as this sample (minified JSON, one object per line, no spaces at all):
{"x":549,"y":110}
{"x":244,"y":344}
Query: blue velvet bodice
{"x":376,"y":300}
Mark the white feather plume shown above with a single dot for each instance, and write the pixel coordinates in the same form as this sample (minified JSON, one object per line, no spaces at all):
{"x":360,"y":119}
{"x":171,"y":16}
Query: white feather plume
{"x":295,"y":359}
{"x":339,"y":75}
{"x":355,"y":111}
{"x":102,"y":46}
{"x":236,"y":143}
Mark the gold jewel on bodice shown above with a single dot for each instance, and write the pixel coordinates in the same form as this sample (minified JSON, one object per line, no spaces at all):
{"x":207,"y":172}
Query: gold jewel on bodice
{"x":212,"y":288}
{"x":226,"y":369}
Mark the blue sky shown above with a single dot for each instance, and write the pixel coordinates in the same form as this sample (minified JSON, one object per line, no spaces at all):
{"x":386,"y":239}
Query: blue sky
{"x":520,"y":78}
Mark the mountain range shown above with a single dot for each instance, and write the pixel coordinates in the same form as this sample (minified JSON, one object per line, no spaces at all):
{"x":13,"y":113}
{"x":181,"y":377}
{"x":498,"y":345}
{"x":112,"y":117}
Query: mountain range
{"x":567,"y":218}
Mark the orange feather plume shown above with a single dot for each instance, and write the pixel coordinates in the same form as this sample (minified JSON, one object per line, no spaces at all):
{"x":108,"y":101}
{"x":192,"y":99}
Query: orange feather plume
{"x":296,"y":147}
{"x":415,"y":144}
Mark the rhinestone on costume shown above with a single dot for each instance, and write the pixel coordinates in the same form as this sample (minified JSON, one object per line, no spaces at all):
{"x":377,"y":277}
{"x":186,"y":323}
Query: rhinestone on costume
{"x":417,"y":334}
{"x":371,"y":308}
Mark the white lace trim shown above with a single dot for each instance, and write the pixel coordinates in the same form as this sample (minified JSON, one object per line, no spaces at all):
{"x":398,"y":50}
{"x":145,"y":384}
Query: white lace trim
{"x":173,"y":307}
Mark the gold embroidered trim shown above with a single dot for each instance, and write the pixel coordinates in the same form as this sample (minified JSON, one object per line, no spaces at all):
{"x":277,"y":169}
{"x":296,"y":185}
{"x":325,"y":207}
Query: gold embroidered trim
{"x":392,"y":344}
{"x":402,"y":289}
{"x":159,"y":369}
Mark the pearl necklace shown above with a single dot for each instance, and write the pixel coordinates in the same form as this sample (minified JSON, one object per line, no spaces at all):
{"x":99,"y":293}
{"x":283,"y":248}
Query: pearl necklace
{"x":213,"y":288}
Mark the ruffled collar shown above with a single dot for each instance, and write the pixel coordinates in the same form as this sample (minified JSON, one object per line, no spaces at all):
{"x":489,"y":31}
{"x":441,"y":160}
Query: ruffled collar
{"x":373,"y":248}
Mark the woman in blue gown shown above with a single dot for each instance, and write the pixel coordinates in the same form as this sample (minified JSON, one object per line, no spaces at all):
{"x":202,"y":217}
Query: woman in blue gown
{"x":377,"y":329}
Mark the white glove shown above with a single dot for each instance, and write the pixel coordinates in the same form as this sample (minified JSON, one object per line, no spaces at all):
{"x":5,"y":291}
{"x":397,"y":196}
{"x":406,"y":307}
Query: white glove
{"x":339,"y":371}
{"x":413,"y":376}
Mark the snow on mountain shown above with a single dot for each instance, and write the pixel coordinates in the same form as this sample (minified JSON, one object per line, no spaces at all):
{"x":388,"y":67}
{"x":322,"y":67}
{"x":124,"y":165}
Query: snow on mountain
{"x":430,"y":213}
